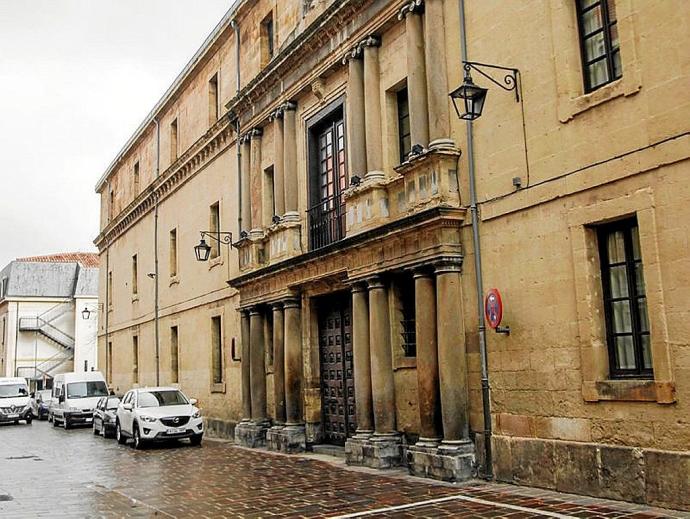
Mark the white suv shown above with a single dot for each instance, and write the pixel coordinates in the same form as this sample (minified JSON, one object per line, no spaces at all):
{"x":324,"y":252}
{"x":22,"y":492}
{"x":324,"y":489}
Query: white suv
{"x":157,"y":414}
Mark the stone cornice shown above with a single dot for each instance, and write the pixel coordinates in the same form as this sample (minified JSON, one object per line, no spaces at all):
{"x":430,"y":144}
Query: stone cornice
{"x":199,"y":154}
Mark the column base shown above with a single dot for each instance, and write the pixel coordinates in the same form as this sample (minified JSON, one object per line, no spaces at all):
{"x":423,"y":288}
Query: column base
{"x":291,"y":216}
{"x":379,"y":451}
{"x":251,"y":434}
{"x":374,"y":176}
{"x":441,"y":144}
{"x":450,"y":461}
{"x":288,"y":439}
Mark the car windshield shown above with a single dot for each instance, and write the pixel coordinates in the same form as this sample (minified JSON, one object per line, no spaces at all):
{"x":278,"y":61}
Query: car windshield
{"x":161,"y":398}
{"x":86,"y":389}
{"x":13,"y":390}
{"x":112,"y":403}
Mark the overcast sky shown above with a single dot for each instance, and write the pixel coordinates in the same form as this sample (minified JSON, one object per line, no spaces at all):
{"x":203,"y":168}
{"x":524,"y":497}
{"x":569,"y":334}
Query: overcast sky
{"x":76,"y":79}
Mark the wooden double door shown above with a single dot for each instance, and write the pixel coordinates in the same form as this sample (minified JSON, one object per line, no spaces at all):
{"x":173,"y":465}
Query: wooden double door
{"x":337,"y":370}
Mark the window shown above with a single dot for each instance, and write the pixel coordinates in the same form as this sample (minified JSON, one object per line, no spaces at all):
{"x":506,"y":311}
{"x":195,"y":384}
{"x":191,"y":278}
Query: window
{"x":136,"y":178}
{"x":408,"y":323}
{"x":174,"y":351}
{"x":214,"y":228}
{"x":111,"y":207}
{"x":173,"y":141}
{"x":328,"y":178}
{"x":269,"y":196}
{"x":213,"y":99}
{"x":173,"y":253}
{"x":267,"y":39}
{"x":110,"y":289}
{"x":135,"y":275}
{"x":599,"y":43}
{"x":217,"y":349}
{"x":3,"y":288}
{"x":625,"y":302}
{"x":404,"y":136}
{"x":135,"y":359}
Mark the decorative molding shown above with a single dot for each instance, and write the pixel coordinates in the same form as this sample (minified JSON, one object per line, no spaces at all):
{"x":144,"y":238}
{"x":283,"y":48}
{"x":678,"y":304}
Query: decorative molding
{"x":411,"y":7}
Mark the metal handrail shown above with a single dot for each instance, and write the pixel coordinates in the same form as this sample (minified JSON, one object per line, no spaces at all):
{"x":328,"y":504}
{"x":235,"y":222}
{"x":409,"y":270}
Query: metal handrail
{"x":326,"y":221}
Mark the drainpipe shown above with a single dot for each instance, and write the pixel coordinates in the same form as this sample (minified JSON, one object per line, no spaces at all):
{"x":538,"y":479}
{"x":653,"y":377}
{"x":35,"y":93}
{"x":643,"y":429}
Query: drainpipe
{"x":235,"y":27}
{"x":106,"y":307}
{"x":155,"y":251}
{"x":486,"y":397}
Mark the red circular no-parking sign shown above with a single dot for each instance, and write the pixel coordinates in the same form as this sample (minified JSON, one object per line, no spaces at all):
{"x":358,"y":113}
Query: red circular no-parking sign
{"x":493,"y":308}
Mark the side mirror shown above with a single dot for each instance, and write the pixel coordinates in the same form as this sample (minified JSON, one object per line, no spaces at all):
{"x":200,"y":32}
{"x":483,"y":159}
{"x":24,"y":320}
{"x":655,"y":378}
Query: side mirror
{"x":193,"y":401}
{"x":127,"y":407}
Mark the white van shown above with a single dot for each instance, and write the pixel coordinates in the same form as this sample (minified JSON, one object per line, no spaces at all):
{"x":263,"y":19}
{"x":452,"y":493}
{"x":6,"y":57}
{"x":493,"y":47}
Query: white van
{"x":75,"y":396}
{"x":15,"y":403}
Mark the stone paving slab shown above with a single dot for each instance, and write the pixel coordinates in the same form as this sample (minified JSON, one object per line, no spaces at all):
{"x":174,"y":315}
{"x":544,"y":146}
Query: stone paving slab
{"x":47,"y":472}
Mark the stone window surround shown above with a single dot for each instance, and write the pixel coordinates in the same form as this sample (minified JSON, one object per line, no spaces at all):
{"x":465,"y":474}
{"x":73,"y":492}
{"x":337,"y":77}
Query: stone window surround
{"x":567,"y":60}
{"x":217,"y":387}
{"x":596,"y":385}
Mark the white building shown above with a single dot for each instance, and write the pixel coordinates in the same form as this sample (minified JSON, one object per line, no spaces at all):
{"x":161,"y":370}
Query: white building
{"x":42,"y":326}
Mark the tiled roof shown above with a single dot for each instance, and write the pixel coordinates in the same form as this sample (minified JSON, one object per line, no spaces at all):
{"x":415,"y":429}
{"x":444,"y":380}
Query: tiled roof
{"x":85,"y":259}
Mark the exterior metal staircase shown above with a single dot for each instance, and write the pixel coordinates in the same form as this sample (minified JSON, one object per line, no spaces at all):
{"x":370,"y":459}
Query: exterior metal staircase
{"x":38,"y":324}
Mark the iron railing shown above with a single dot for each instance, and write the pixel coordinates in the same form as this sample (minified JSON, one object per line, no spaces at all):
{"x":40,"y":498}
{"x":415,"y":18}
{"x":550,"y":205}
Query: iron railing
{"x":36,"y":324}
{"x":326,"y":222}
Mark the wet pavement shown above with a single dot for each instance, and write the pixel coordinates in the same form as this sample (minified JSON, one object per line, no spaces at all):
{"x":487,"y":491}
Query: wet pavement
{"x":47,"y":472}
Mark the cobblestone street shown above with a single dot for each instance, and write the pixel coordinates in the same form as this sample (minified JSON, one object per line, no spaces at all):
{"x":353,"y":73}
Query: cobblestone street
{"x":51,"y":472}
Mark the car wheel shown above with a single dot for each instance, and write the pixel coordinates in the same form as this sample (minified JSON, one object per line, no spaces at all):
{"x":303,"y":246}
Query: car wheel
{"x":66,"y":424}
{"x":119,"y":436}
{"x":196,"y":439}
{"x":138,"y":442}
{"x":29,"y":419}
{"x":54,"y":422}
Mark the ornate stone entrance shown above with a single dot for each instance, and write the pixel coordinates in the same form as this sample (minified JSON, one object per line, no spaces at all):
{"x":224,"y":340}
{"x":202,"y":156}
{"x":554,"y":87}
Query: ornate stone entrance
{"x":337,"y":377}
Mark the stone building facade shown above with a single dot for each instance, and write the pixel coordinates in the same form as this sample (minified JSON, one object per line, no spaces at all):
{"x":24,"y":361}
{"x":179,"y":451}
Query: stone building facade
{"x":322,"y":136}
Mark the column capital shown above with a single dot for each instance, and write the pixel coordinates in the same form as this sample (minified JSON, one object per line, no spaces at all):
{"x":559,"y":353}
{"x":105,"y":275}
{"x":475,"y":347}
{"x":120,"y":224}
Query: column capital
{"x":254,"y":310}
{"x":276,"y":114}
{"x":255,"y":133}
{"x":358,"y":286}
{"x":422,"y":272}
{"x":278,"y":305}
{"x":244,"y":312}
{"x":353,"y":54}
{"x":370,"y":41}
{"x":292,"y":302}
{"x":288,"y":106}
{"x":375,"y":282}
{"x":411,"y":7}
{"x":448,"y":265}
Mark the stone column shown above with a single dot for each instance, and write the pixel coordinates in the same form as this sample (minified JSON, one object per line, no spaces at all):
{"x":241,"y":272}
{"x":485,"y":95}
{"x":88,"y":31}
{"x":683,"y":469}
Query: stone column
{"x":258,"y":369}
{"x":256,"y":175}
{"x":416,"y":74}
{"x":278,"y":163}
{"x":290,"y":160}
{"x":245,"y":178}
{"x":362,"y":361}
{"x":427,"y":359}
{"x":452,"y":358}
{"x":372,"y":103}
{"x":436,"y":75}
{"x":278,"y":364}
{"x":383,"y":387}
{"x":355,"y":106}
{"x":293,"y":362}
{"x":246,"y":367}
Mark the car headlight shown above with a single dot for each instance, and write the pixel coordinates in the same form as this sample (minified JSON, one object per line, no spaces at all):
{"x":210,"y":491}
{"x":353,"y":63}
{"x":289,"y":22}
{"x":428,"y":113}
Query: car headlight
{"x":145,"y":418}
{"x":197,"y":414}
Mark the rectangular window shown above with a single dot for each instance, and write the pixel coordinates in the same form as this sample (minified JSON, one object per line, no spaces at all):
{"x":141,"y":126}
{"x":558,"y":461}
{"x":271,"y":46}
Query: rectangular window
{"x":173,"y":141}
{"x":111,"y":207}
{"x":174,"y":358}
{"x":213,"y":99}
{"x":135,"y":359}
{"x":270,"y":198}
{"x":136,"y":178}
{"x":267,"y":39}
{"x":408,"y":322}
{"x":599,"y":42}
{"x":173,"y":253}
{"x":135,"y":275}
{"x":625,"y":302}
{"x":404,"y":135}
{"x":109,"y":363}
{"x":110,"y":289}
{"x":217,"y":349}
{"x":214,"y":228}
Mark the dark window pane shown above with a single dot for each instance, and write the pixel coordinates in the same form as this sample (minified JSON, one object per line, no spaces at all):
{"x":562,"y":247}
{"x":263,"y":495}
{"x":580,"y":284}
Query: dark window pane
{"x":611,"y":8}
{"x":595,"y":47}
{"x":592,"y":20}
{"x":642,"y":309}
{"x":625,"y":352}
{"x":618,"y":277}
{"x":616,"y":247}
{"x":646,"y":352}
{"x":622,"y":322}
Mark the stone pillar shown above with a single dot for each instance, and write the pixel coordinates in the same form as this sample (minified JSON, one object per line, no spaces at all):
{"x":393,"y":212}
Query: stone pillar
{"x":355,"y":107}
{"x":383,"y":387}
{"x":362,"y":361}
{"x":245,"y":179}
{"x":290,"y":160}
{"x":246,"y":367}
{"x":372,"y":103}
{"x":278,"y":163}
{"x":436,"y":75}
{"x":427,"y":359}
{"x":416,"y":74}
{"x":293,"y":362}
{"x":452,"y":358}
{"x":278,"y":364}
{"x":258,"y":369}
{"x":256,"y":175}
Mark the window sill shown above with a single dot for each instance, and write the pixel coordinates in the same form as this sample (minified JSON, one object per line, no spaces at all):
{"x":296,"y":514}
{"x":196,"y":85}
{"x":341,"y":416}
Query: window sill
{"x":218,"y":388}
{"x":214,"y":262}
{"x":630,"y":391}
{"x":404,"y":363}
{"x":174,"y":280}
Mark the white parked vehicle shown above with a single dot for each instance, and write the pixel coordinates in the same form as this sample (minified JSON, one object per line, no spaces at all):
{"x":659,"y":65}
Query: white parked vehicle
{"x":15,"y":401}
{"x":157,"y":414}
{"x":75,"y":396}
